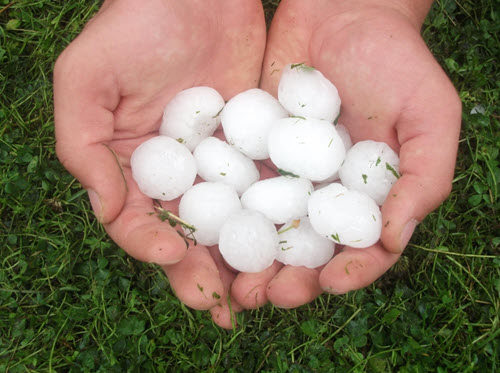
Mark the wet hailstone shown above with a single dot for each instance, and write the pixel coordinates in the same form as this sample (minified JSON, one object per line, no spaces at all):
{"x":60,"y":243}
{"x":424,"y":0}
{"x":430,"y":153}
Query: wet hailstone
{"x":279,"y":198}
{"x":163,"y":168}
{"x":192,"y":115}
{"x":306,"y":147}
{"x":218,"y":161}
{"x":371,"y":167}
{"x":248,"y":241}
{"x":345,"y":216}
{"x":305,"y":92}
{"x":247,"y":120}
{"x":301,"y":245}
{"x":206,"y":206}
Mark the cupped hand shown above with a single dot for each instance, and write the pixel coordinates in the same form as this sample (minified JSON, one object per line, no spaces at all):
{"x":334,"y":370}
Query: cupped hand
{"x":392,"y":90}
{"x":110,"y":87}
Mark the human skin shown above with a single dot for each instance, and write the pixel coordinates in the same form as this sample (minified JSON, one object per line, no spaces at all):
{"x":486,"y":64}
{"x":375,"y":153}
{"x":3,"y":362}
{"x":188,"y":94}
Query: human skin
{"x":392,"y":90}
{"x":112,"y":83}
{"x":110,"y":87}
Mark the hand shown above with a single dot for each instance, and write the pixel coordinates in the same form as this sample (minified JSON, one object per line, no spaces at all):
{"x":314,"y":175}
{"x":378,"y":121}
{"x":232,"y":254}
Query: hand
{"x":110,"y":87}
{"x":392,"y":90}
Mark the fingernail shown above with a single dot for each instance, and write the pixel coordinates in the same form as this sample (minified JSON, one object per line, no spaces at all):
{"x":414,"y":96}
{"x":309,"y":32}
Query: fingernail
{"x":407,"y":233}
{"x":95,"y":202}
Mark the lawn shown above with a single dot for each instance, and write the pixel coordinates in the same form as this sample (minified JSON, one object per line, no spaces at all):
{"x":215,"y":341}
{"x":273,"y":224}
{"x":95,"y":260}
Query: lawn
{"x":71,"y":300}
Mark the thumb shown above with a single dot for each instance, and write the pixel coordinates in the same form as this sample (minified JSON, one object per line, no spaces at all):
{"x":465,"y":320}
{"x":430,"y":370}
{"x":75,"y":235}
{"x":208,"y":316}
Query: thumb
{"x":84,"y":97}
{"x":428,"y":131}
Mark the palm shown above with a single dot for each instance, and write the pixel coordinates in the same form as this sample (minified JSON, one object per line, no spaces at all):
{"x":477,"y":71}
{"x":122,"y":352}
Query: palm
{"x":391,"y":90}
{"x":171,"y":47}
{"x":374,"y":77}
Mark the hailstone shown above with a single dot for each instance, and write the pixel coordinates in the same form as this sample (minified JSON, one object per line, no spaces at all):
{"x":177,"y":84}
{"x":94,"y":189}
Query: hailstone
{"x":192,"y":115}
{"x":218,"y":161}
{"x":346,"y":140}
{"x":248,"y":241}
{"x":344,"y":135}
{"x":309,"y":148}
{"x":163,"y":168}
{"x":206,"y":206}
{"x":301,"y":245}
{"x":370,"y":167}
{"x":279,"y":198}
{"x":247,"y":119}
{"x":345,"y":216}
{"x":305,"y":92}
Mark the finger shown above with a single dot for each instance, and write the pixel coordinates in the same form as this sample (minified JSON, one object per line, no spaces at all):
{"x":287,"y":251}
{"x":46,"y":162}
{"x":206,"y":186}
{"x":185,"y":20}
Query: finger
{"x":249,"y":289}
{"x":294,"y":286}
{"x":242,"y":70}
{"x":85,"y":96}
{"x":139,"y":231}
{"x":224,"y":313}
{"x":196,"y":279}
{"x":354,"y":269}
{"x":428,"y":132}
{"x":287,"y":42}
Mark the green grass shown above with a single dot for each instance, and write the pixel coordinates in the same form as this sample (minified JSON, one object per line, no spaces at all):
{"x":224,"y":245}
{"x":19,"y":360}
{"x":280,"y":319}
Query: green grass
{"x":70,"y":300}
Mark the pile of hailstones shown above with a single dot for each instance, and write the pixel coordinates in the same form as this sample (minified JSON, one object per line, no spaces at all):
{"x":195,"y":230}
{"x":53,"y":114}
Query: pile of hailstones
{"x":295,"y":218}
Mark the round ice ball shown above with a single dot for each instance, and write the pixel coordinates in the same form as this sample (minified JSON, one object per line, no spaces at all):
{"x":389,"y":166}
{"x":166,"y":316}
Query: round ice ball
{"x":301,"y":245}
{"x":344,"y":135}
{"x":247,"y":119}
{"x":304,"y":91}
{"x":192,"y":115}
{"x":218,"y":161}
{"x":343,"y":132}
{"x":371,"y":167}
{"x":248,"y":241}
{"x":163,"y":168}
{"x":309,"y":148}
{"x":206,"y":206}
{"x":279,"y":198}
{"x":345,"y":216}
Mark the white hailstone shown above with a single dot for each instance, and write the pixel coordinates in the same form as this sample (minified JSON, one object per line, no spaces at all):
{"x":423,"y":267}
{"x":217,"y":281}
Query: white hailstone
{"x":279,"y":198}
{"x":192,"y":115}
{"x":206,"y":206}
{"x":345,"y":216}
{"x":306,"y":147}
{"x":247,"y":119}
{"x":344,"y":135}
{"x":218,"y":161}
{"x":163,"y":168}
{"x":305,"y":92}
{"x":370,"y":167}
{"x":248,"y":241}
{"x":346,"y":140}
{"x":301,"y":245}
